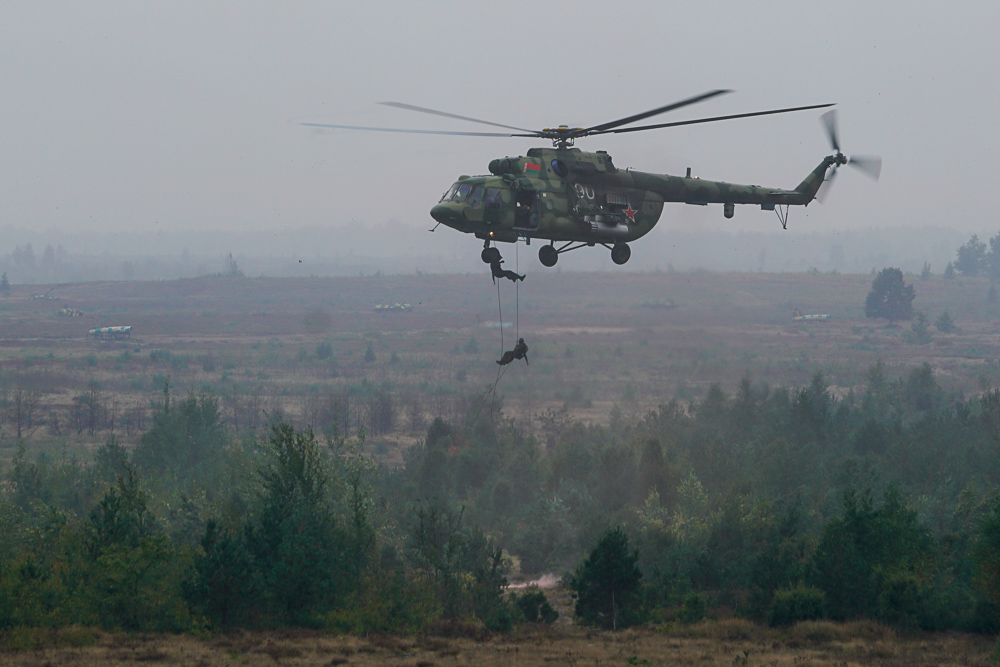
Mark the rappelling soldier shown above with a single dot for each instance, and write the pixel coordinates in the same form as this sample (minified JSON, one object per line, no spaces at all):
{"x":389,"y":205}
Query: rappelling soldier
{"x":520,"y":351}
{"x":500,"y":272}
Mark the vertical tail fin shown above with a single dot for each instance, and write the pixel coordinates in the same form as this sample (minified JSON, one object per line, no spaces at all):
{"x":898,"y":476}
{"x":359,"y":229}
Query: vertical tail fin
{"x":811,"y":184}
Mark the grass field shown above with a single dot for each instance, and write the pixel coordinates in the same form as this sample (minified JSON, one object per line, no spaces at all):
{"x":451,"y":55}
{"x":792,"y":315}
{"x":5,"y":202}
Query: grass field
{"x":726,"y":642}
{"x":596,"y":341}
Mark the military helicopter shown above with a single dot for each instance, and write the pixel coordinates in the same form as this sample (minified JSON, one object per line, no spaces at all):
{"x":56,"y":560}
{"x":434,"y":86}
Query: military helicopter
{"x":580,"y":199}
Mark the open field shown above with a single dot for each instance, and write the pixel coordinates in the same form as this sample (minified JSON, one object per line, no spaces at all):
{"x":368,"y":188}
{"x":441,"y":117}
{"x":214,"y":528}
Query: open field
{"x":314,"y":352}
{"x":729,"y":642}
{"x":596,"y":340}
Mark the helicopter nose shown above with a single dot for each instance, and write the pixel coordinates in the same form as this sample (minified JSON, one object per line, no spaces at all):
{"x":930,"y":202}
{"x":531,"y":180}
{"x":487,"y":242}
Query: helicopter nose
{"x":444,"y":214}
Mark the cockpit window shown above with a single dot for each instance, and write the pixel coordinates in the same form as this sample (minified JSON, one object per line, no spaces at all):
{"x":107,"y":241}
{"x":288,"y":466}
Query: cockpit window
{"x":451,"y":193}
{"x":462,"y":192}
{"x":476,"y":197}
{"x":493,"y":201}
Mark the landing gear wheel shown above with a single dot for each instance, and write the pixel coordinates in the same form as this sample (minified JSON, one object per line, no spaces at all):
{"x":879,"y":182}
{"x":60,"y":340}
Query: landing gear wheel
{"x":490,"y":255}
{"x":548,"y":255}
{"x":620,"y":253}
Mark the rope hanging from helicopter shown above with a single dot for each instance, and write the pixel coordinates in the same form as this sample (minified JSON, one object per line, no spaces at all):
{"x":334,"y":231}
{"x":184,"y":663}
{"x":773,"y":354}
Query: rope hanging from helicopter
{"x":502,"y":367}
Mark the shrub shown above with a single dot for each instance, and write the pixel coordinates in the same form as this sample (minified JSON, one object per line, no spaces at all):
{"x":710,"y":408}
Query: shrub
{"x":207,"y":363}
{"x":692,"y":611}
{"x":536,"y":608}
{"x":160,"y":356}
{"x":799,"y":603}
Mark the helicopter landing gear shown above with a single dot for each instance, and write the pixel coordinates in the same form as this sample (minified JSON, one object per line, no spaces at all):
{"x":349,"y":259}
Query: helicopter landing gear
{"x":489,"y":255}
{"x":620,"y":253}
{"x":548,"y":255}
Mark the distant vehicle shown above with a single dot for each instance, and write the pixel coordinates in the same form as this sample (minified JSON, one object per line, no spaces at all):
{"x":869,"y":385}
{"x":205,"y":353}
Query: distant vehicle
{"x":658,"y":304}
{"x":70,"y":312}
{"x":41,"y":296}
{"x":111,"y":333}
{"x":391,"y":307}
{"x":799,"y":317}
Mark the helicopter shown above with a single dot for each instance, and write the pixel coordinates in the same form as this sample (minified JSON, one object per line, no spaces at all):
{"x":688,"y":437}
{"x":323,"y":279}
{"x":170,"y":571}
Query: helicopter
{"x":574,"y":199}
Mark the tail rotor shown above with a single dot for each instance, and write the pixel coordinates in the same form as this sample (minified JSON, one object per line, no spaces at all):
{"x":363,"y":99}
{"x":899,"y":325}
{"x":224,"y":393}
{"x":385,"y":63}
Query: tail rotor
{"x":870,"y":165}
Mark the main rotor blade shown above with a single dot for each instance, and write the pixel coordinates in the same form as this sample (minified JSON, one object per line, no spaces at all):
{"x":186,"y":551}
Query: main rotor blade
{"x":393,"y":129}
{"x":870,"y":165}
{"x":410,"y":107}
{"x":713,"y":119}
{"x":604,"y":127}
{"x":830,"y":121}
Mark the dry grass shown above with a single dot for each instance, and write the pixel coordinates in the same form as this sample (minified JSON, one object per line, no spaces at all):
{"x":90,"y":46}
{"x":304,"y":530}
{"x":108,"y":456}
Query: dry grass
{"x":728,"y":642}
{"x":593,"y":344}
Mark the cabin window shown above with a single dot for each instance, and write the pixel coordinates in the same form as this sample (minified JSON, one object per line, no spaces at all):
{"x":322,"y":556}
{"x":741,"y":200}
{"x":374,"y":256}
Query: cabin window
{"x":493,"y":200}
{"x":462,"y":192}
{"x":476,"y":197}
{"x":451,"y":193}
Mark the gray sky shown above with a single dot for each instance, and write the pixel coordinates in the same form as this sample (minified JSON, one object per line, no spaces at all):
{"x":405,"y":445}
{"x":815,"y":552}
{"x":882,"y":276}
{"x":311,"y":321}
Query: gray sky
{"x":120,"y":116}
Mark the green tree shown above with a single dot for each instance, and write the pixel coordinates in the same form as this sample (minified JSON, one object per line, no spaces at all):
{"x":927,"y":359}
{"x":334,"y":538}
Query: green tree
{"x":125,"y":574}
{"x":222,"y":585}
{"x":971,"y":260}
{"x":535,"y":607}
{"x":920,"y":390}
{"x":986,"y":557}
{"x":463,"y":567}
{"x":299,"y":552}
{"x":992,"y":261}
{"x":794,"y":604}
{"x":919,"y":332}
{"x":693,"y":610}
{"x":607,"y":583}
{"x":944,"y":323}
{"x":875,"y":562}
{"x":890,"y":297}
{"x":186,"y":441}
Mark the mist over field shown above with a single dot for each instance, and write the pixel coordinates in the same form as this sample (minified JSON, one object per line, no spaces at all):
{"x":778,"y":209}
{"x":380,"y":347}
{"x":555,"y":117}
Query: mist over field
{"x":395,"y":248}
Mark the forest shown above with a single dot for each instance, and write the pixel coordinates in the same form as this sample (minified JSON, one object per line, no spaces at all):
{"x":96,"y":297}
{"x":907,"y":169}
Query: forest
{"x":777,"y":504}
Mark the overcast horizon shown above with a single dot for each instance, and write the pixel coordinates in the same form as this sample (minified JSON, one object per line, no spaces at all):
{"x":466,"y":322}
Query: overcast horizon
{"x":364,"y":250}
{"x":133,"y":118}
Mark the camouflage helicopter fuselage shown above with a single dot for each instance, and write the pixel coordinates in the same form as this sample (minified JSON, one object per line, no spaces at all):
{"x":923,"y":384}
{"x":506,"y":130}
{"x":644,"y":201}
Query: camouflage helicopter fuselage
{"x":568,"y":195}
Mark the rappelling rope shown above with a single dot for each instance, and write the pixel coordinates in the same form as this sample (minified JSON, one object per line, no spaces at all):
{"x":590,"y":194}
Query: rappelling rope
{"x":517,"y":294}
{"x":491,"y":394}
{"x":500,"y":309}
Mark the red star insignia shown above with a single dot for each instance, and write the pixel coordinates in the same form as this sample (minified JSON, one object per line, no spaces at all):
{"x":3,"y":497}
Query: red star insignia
{"x":630,"y":213}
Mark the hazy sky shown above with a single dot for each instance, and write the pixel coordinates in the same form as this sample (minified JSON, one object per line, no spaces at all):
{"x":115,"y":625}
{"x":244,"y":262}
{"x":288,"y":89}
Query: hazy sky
{"x":143,"y":116}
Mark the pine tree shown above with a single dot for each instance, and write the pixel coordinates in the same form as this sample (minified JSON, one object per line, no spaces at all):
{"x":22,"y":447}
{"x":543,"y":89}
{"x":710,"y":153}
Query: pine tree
{"x":971,"y":259}
{"x":607,"y":584}
{"x":890,"y":297}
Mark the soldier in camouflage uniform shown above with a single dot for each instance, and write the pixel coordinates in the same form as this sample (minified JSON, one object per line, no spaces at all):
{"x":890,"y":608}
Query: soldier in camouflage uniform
{"x":520,"y":351}
{"x":499,"y":272}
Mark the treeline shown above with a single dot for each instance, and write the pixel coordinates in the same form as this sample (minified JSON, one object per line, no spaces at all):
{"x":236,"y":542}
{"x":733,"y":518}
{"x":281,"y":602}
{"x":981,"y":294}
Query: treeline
{"x":780,"y":504}
{"x":976,"y":258}
{"x":27,"y":412}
